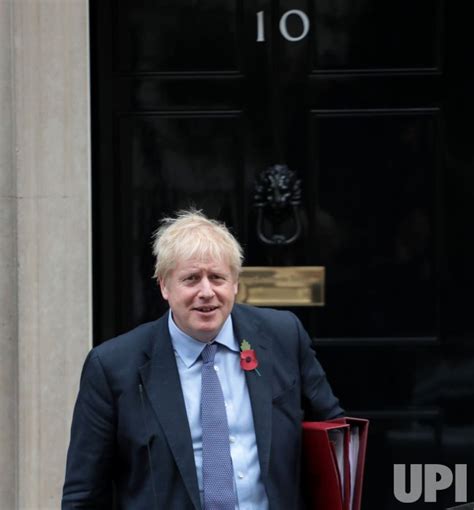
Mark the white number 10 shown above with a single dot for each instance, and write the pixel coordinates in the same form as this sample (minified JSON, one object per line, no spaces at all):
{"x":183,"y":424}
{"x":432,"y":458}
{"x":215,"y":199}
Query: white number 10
{"x":283,"y":25}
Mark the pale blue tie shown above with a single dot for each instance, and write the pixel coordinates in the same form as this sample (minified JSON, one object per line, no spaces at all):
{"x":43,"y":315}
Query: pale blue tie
{"x":217,"y":471}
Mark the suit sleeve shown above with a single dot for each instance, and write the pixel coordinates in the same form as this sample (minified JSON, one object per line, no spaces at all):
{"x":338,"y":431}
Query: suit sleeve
{"x":88,"y":481}
{"x":319,"y":401}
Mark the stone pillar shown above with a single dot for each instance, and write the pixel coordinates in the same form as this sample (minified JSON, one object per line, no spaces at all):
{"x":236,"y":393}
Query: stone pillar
{"x":8,"y":269}
{"x":45,"y":241}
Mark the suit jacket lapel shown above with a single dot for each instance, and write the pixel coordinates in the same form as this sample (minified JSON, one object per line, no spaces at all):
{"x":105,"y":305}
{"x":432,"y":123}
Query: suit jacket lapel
{"x":260,"y":387}
{"x":160,"y":378}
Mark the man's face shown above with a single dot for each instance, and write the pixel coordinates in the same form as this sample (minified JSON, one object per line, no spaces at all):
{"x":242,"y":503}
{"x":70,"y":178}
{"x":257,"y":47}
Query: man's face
{"x":201,"y":295}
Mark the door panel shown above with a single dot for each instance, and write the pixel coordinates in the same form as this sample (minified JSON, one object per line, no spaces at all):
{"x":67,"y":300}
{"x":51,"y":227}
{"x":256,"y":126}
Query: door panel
{"x":176,"y":36}
{"x":376,"y":36}
{"x":377,"y":195}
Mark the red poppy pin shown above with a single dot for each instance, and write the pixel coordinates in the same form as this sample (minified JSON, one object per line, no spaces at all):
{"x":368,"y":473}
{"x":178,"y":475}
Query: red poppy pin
{"x":248,"y":358}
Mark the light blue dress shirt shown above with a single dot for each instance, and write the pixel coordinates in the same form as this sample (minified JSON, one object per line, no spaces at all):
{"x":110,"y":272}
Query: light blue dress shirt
{"x":248,"y":483}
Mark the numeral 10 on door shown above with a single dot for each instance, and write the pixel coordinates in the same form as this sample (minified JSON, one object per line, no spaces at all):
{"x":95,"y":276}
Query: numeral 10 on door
{"x":283,"y":25}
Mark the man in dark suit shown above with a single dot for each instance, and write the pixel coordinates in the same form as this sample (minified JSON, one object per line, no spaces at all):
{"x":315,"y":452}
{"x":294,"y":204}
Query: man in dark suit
{"x":202,"y":408}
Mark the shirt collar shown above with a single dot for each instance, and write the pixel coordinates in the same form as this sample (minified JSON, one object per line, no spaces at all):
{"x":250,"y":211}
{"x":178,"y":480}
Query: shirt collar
{"x":189,"y":349}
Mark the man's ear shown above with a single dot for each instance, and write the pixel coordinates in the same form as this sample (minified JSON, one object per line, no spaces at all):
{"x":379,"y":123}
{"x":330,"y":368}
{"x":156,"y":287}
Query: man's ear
{"x":236,"y":287}
{"x":163,"y":288}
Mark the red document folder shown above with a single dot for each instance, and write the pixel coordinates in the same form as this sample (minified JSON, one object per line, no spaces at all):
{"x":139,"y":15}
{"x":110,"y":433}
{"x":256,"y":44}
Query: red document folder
{"x":327,"y":483}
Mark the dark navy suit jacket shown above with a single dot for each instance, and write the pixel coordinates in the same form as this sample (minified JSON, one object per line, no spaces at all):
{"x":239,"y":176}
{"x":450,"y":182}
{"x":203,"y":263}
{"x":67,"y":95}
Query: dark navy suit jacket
{"x":130,"y":428}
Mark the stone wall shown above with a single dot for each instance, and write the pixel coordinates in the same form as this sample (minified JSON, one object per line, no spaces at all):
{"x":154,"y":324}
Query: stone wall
{"x":45,"y":241}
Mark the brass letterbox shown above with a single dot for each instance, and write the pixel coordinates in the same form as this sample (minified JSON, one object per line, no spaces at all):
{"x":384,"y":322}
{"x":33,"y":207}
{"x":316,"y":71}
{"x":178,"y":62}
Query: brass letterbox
{"x":282,"y":286}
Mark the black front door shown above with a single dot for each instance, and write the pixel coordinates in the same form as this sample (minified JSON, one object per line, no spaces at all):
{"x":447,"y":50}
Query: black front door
{"x":369,"y":104}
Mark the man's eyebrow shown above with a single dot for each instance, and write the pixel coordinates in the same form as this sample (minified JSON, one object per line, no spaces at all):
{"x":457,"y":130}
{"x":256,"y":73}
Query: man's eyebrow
{"x":219,"y":271}
{"x":188,"y":272}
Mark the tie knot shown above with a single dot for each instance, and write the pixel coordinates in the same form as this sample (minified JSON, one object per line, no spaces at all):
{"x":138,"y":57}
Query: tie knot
{"x":209,"y":352}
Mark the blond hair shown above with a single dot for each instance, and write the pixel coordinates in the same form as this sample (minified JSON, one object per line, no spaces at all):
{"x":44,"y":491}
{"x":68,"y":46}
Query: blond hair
{"x":192,"y":235}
